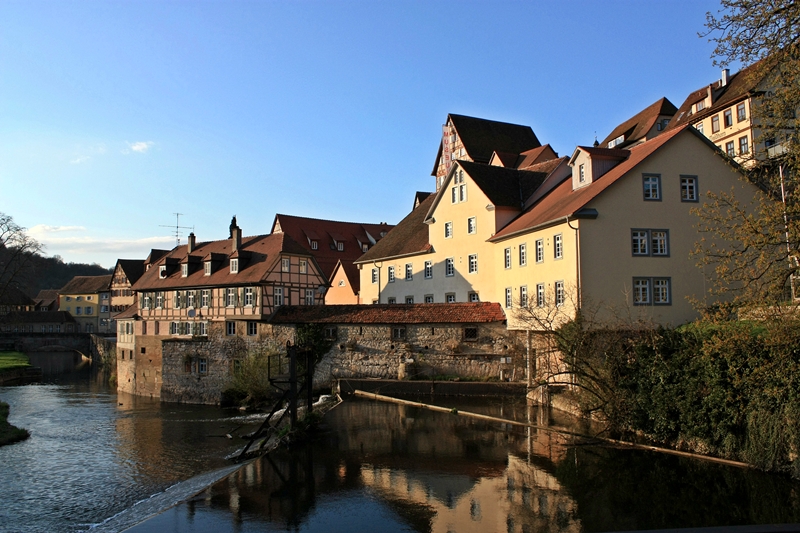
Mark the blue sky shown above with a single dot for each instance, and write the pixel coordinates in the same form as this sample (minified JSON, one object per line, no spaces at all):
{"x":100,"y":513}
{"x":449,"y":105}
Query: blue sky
{"x":115,"y":115}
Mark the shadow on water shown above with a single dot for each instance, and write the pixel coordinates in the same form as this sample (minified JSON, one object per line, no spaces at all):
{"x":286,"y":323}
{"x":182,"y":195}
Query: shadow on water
{"x":385,"y":467}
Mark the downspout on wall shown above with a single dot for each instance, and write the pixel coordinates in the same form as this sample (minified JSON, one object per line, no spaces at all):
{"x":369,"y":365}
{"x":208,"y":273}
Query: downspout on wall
{"x":577,"y":260}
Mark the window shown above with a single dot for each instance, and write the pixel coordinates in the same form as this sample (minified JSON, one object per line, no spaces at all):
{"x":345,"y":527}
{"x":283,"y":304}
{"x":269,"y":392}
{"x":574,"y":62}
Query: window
{"x":330,"y":333}
{"x":582,"y":173}
{"x":559,"y":293}
{"x":176,"y":300}
{"x":230,"y":328}
{"x":508,"y":297}
{"x":69,"y":298}
{"x":523,"y":254}
{"x":409,"y":271}
{"x":392,"y":300}
{"x":202,"y":365}
{"x":428,"y":269}
{"x":652,"y":187}
{"x":473,"y":297}
{"x":741,"y":113}
{"x":653,"y":242}
{"x":558,"y":247}
{"x":202,"y":328}
{"x":540,"y":250}
{"x":162,"y":271}
{"x":249,"y":297}
{"x":104,"y":309}
{"x":190,"y":299}
{"x":252,"y":327}
{"x":472,"y":225}
{"x":409,"y":299}
{"x":728,"y":118}
{"x":391,"y":274}
{"x":729,"y":149}
{"x":144,"y":328}
{"x":277,"y":296}
{"x":699,"y":127}
{"x":173,"y":328}
{"x":654,"y":291}
{"x":314,"y":245}
{"x":364,"y":247}
{"x":688,"y":189}
{"x":744,"y":148}
{"x":374,"y":275}
{"x":79,"y":299}
{"x":398,"y":333}
{"x":700,"y":105}
{"x":429,"y":298}
{"x":450,"y":298}
{"x":230,"y":297}
{"x":540,"y":297}
{"x":523,"y":296}
{"x":454,"y":195}
{"x":303,"y":266}
{"x":449,"y":267}
{"x":205,"y":296}
{"x":207,"y":268}
{"x":507,"y":257}
{"x":78,"y":310}
{"x":448,"y":230}
{"x":184,"y":270}
{"x":285,"y":264}
{"x":473,"y":263}
{"x":715,"y":124}
{"x":89,"y":310}
{"x":462,"y":192}
{"x":470,"y":334}
{"x":309,"y":296}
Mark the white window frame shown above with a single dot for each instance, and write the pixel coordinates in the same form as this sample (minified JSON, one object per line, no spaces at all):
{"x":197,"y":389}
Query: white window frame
{"x":230,"y":297}
{"x":277,"y":296}
{"x":205,"y":297}
{"x":473,"y":264}
{"x":303,"y":266}
{"x":409,"y":271}
{"x":184,"y":270}
{"x":450,"y":298}
{"x":541,"y":296}
{"x":558,"y":246}
{"x":409,"y":300}
{"x":234,"y":266}
{"x":449,"y":267}
{"x":429,"y":298}
{"x":560,"y":294}
{"x":448,"y":230}
{"x":472,"y":225}
{"x":340,"y":246}
{"x":523,"y":254}
{"x":651,"y":187}
{"x":428,"y":269}
{"x":249,"y":296}
{"x":309,"y":300}
{"x":540,"y":250}
{"x":374,"y":275}
{"x":507,"y":258}
{"x":390,"y":275}
{"x":509,"y":298}
{"x":286,"y":264}
{"x":207,"y":268}
{"x":252,"y":328}
{"x":523,"y":296}
{"x":230,"y":328}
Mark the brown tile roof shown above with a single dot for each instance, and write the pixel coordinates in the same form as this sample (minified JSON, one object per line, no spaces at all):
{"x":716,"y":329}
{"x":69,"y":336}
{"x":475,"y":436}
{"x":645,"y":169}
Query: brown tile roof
{"x":505,"y":187}
{"x":134,"y":268}
{"x":86,"y":285}
{"x":420,"y":197}
{"x":506,"y":159}
{"x":131,"y":312}
{"x":740,"y":86}
{"x":636,"y":127}
{"x":562,"y":201}
{"x":155,"y":255}
{"x":264,"y":251}
{"x":409,"y":236}
{"x":481,"y":138}
{"x":456,"y":313}
{"x":535,"y":156}
{"x":325,"y":232}
{"x":352,"y":274}
{"x":46,"y":298}
{"x":14,"y":296}
{"x":37,"y":317}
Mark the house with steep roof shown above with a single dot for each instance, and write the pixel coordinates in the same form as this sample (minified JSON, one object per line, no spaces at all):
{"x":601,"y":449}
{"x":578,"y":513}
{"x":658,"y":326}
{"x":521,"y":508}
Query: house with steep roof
{"x":13,"y":299}
{"x":477,"y":139}
{"x":126,"y":273}
{"x":607,"y":226}
{"x":46,"y":300}
{"x":225,"y":288}
{"x":87,"y":298}
{"x":332,"y":242}
{"x":643,"y":126}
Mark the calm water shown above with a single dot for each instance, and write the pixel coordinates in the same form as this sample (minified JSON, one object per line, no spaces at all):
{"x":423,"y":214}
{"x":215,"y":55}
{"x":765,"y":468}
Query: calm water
{"x":372,"y":467}
{"x":384,"y":468}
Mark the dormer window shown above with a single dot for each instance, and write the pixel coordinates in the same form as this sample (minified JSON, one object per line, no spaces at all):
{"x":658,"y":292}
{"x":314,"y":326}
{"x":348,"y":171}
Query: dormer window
{"x":184,"y":270}
{"x":700,"y":105}
{"x":234,"y":266}
{"x":162,"y":271}
{"x":340,"y":246}
{"x":582,"y":176}
{"x":617,"y":141}
{"x":207,"y":268}
{"x":314,"y":245}
{"x":364,"y":247}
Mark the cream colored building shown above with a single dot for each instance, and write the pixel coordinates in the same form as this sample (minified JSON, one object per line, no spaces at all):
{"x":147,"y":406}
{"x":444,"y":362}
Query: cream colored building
{"x":87,"y":299}
{"x":610,"y":229}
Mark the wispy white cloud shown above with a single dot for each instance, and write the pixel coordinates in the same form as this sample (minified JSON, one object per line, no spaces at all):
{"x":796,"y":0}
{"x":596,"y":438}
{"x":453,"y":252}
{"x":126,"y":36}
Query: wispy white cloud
{"x":80,"y":159}
{"x":139,"y":146}
{"x":40,"y":230}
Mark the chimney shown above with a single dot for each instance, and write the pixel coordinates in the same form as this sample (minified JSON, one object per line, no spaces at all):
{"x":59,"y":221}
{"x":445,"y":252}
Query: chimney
{"x":236,"y":238}
{"x":726,"y":75}
{"x":190,"y":246}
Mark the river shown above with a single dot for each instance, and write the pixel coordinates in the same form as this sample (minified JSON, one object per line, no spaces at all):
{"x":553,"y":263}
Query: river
{"x":371,"y":467}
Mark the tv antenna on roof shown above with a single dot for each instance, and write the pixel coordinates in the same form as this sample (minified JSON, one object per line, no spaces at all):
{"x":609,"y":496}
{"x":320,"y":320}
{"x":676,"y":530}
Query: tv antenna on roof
{"x":177,"y":227}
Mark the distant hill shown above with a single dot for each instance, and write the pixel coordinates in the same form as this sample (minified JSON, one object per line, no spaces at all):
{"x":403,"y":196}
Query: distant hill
{"x":54,"y":273}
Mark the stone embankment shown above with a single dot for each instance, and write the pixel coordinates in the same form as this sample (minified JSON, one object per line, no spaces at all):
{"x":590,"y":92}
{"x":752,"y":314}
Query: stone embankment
{"x":21,"y":376}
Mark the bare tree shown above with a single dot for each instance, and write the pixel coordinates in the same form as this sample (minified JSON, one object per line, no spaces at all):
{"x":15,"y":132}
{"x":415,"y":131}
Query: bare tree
{"x":17,"y":249}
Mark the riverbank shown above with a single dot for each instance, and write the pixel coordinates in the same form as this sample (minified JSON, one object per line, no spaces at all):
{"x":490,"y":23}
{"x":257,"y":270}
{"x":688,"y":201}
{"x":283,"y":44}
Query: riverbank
{"x":15,"y":369}
{"x":9,"y":434}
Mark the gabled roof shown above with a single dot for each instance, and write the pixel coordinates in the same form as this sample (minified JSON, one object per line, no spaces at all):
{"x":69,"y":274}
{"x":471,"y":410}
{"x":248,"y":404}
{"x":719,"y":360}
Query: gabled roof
{"x":37,"y":317}
{"x":46,"y":298}
{"x":86,"y":285}
{"x":481,"y":138}
{"x":564,"y":202}
{"x":155,"y":255}
{"x":505,"y":187}
{"x":350,"y":272}
{"x":636,"y":127}
{"x":131,"y":312}
{"x":327,"y":233}
{"x":535,"y":156}
{"x":134,"y":268}
{"x":739,"y":87}
{"x":456,"y":313}
{"x":409,"y":236}
{"x":265,"y":250}
{"x":420,"y":197}
{"x":603,"y":153}
{"x":14,"y":296}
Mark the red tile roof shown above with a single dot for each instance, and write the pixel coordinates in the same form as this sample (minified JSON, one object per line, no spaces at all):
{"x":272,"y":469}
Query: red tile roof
{"x":456,"y":313}
{"x":130,"y":312}
{"x":562,"y":201}
{"x":636,"y":127}
{"x":328,"y":233}
{"x":264,"y":251}
{"x":410,"y":236}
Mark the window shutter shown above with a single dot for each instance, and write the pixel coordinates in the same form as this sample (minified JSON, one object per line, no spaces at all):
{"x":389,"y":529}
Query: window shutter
{"x":241,"y":297}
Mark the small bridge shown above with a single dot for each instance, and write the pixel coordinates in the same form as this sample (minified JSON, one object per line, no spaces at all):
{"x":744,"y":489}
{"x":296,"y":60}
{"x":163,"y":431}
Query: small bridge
{"x":44,"y":342}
